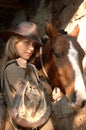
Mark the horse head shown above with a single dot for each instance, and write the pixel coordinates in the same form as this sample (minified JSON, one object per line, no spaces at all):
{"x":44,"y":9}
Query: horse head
{"x":62,"y":60}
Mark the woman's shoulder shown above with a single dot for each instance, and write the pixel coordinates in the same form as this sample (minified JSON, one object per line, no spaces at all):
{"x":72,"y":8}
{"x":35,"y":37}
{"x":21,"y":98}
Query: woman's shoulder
{"x":9,"y":65}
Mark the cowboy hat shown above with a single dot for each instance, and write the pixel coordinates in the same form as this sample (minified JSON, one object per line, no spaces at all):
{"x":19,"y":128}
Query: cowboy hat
{"x":25,"y":29}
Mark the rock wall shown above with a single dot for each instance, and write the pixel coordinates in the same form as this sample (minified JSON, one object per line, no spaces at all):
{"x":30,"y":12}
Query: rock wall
{"x":62,"y":14}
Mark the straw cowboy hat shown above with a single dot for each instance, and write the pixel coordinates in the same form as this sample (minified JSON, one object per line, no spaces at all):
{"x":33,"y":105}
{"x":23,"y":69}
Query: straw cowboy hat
{"x":25,"y":29}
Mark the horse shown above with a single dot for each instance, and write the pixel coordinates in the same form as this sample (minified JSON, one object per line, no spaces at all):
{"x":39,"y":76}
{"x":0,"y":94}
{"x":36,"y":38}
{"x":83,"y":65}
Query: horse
{"x":60,"y":61}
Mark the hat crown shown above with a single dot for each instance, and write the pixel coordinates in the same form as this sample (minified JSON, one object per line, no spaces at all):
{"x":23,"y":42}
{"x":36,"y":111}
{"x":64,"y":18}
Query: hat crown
{"x":26,"y":28}
{"x":23,"y":29}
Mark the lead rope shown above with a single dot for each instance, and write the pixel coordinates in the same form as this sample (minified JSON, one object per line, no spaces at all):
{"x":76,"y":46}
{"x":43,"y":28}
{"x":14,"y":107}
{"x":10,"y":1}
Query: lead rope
{"x":42,"y":63}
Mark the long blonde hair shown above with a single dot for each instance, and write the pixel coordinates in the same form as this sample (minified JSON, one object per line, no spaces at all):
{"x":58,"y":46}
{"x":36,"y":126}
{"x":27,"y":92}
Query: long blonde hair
{"x":11,"y":53}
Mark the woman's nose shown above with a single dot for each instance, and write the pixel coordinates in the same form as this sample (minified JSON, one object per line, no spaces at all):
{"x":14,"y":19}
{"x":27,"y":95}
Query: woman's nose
{"x":31,"y":47}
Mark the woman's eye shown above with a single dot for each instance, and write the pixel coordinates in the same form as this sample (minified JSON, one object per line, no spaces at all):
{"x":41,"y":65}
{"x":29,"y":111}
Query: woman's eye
{"x":58,"y":55}
{"x":26,"y":42}
{"x":29,"y":43}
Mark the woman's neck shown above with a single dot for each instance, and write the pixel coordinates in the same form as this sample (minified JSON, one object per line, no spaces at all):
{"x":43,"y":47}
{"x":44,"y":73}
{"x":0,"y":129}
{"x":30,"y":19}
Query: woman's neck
{"x":22,"y":62}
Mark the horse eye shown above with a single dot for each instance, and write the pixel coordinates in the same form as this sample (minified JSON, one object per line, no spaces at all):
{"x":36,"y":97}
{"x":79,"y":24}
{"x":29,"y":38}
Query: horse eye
{"x":58,"y":55}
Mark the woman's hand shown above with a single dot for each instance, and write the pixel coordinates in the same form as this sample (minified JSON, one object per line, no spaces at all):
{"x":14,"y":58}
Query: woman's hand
{"x":22,"y":62}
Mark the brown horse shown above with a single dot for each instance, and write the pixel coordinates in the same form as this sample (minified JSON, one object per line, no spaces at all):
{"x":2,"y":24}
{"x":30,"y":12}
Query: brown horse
{"x":61,"y":63}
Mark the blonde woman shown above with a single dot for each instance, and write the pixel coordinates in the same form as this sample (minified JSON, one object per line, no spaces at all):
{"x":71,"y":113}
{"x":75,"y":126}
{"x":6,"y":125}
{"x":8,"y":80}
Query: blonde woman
{"x":22,"y":43}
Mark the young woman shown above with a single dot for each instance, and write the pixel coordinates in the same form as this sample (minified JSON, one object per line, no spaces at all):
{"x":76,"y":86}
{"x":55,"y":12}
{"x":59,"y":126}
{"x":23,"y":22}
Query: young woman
{"x":21,"y":46}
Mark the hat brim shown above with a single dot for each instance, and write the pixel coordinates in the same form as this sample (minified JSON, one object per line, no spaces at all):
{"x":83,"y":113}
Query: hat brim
{"x":5,"y":35}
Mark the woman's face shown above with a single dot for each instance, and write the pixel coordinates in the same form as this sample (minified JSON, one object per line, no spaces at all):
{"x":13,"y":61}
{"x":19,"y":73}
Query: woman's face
{"x":25,"y":48}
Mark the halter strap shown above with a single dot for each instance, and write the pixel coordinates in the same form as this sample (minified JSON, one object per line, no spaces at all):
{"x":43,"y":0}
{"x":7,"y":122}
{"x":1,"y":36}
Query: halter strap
{"x":43,"y":68}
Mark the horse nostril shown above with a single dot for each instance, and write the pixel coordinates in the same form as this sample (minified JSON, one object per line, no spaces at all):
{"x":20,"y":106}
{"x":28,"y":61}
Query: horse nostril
{"x":74,"y":97}
{"x":83,"y":103}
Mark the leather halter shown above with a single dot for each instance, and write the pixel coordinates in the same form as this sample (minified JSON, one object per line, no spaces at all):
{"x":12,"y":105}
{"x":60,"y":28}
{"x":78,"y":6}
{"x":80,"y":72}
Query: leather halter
{"x":43,"y":68}
{"x":46,"y":75}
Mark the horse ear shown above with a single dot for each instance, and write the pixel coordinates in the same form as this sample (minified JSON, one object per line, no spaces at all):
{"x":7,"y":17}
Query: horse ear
{"x":51,"y":30}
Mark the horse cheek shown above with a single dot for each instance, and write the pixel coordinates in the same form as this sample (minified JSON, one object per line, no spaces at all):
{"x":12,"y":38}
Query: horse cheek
{"x":55,"y":79}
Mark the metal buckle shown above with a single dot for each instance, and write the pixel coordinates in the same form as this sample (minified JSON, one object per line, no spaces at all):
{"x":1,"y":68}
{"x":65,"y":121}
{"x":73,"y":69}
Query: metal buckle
{"x":34,"y":128}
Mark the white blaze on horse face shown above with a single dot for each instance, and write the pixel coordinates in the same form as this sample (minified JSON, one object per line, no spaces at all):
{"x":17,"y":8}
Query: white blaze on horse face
{"x":79,"y":82}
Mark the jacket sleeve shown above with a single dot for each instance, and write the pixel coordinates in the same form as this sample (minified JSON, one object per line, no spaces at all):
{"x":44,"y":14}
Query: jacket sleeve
{"x":12,"y":77}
